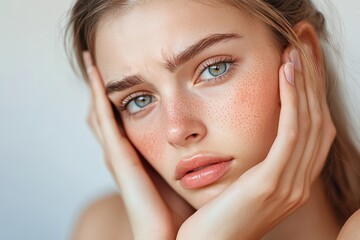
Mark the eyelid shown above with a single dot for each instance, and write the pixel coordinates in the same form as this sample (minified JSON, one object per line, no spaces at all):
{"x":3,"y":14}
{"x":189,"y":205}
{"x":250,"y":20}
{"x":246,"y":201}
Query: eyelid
{"x":125,"y":101}
{"x":212,"y":61}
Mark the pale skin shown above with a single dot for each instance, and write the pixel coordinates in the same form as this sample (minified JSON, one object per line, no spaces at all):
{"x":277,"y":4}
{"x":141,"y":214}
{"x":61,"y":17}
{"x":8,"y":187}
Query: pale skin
{"x":270,"y":121}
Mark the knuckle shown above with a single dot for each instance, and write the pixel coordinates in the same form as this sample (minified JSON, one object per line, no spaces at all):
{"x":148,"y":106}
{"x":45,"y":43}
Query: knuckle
{"x":299,"y":196}
{"x":332,"y":131}
{"x":295,"y":197}
{"x":316,"y":119}
{"x":289,"y":196}
{"x":292,"y":136}
{"x":305,"y":197}
{"x":284,"y":194}
{"x":269,"y":189}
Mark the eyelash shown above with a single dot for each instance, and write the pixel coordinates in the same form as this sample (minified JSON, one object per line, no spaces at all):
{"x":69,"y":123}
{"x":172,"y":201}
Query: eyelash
{"x":203,"y":67}
{"x":214,"y":61}
{"x":125,"y":102}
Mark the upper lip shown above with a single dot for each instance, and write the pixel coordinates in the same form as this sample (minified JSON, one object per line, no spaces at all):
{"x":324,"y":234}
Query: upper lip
{"x":192,"y":162}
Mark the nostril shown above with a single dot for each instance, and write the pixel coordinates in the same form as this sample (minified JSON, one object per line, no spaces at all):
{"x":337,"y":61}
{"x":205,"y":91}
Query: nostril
{"x":194,"y":135}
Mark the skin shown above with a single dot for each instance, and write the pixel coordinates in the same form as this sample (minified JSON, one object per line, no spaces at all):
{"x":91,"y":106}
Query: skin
{"x":278,"y":151}
{"x":241,"y":123}
{"x":351,"y":231}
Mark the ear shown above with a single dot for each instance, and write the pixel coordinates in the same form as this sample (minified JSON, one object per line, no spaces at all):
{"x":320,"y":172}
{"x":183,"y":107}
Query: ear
{"x":308,"y":35}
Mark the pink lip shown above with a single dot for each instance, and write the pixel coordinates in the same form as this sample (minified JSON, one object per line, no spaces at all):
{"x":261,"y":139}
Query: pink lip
{"x":200,"y":170}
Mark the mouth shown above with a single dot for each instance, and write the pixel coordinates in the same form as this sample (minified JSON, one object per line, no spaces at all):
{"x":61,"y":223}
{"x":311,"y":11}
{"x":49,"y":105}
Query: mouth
{"x":201,"y":170}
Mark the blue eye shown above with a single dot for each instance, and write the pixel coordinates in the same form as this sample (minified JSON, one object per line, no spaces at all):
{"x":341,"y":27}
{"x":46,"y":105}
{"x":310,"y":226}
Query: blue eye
{"x":215,"y":70}
{"x":138,"y":103}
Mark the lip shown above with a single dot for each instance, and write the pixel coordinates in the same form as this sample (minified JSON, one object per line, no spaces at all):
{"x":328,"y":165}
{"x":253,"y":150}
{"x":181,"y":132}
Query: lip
{"x":202,"y":169}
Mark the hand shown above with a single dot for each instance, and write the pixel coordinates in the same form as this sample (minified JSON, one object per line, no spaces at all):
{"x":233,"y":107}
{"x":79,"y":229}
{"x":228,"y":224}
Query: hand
{"x":267,"y":193}
{"x":154,"y":209}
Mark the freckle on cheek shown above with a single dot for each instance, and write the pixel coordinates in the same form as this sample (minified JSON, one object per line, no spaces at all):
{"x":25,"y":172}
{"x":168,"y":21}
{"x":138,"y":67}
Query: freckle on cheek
{"x":250,"y":107}
{"x":148,"y":142}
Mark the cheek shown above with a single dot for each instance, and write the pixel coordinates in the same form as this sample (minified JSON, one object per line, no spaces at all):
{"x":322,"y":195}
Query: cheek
{"x":147,"y":140}
{"x":250,"y":112}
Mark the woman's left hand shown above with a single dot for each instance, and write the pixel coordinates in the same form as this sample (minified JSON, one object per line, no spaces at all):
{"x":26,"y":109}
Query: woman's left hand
{"x":272,"y":190}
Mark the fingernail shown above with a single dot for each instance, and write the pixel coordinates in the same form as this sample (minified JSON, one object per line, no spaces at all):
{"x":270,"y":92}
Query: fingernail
{"x":289,"y":72}
{"x":295,"y":59}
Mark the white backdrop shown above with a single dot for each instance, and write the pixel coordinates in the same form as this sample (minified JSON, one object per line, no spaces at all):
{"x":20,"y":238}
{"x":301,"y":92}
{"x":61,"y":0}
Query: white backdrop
{"x":50,"y":164}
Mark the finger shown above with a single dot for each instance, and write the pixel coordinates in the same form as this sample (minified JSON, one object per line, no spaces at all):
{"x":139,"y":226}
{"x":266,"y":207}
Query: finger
{"x":93,"y":124}
{"x":91,"y":118}
{"x":327,"y":132}
{"x":102,"y":106}
{"x":292,"y":174}
{"x":327,"y":138}
{"x":316,"y":123}
{"x":287,"y":134}
{"x":114,"y":142}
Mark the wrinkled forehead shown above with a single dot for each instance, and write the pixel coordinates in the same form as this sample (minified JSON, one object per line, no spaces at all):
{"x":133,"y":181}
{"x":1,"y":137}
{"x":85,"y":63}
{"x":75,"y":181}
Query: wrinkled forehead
{"x":158,"y":29}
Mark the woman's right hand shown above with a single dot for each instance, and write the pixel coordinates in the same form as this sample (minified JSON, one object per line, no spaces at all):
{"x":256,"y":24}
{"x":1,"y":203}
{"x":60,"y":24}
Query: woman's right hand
{"x":152,"y":214}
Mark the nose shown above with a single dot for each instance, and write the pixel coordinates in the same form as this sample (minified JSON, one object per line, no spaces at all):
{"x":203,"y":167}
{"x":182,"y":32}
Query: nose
{"x":183,"y":126}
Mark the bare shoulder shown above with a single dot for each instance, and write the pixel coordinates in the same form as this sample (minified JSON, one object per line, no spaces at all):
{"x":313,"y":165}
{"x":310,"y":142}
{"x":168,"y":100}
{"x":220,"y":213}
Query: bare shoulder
{"x":351,"y":229}
{"x":104,"y":219}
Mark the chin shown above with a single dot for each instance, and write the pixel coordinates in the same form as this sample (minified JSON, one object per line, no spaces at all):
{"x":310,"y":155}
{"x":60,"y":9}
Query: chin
{"x":197,"y":198}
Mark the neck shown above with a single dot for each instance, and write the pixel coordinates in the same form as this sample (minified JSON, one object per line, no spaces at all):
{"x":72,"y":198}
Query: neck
{"x":315,"y":220}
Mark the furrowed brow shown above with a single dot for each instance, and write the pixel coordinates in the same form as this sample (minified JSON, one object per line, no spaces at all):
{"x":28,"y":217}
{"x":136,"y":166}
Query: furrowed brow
{"x":173,"y":63}
{"x":196,"y":48}
{"x":123,"y":84}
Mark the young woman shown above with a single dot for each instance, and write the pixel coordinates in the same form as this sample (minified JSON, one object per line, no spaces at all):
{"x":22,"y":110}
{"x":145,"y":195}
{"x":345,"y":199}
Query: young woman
{"x":223,"y":121}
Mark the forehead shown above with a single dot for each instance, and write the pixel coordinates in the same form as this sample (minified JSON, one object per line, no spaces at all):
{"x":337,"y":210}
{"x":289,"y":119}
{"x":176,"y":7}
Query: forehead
{"x":151,"y":31}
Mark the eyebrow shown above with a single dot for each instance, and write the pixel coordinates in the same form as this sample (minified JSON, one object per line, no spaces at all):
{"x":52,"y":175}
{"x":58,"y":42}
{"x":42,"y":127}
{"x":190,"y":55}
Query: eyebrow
{"x":173,"y":63}
{"x":196,"y":48}
{"x":123,"y":84}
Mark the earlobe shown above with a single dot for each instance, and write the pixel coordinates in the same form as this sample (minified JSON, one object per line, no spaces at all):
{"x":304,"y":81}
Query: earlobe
{"x":308,"y":35}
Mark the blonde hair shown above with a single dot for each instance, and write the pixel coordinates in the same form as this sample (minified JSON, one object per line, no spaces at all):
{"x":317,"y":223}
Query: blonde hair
{"x":341,"y":173}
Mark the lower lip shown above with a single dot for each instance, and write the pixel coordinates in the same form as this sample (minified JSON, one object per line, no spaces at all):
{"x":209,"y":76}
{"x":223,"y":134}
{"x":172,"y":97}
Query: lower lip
{"x":205,"y":176}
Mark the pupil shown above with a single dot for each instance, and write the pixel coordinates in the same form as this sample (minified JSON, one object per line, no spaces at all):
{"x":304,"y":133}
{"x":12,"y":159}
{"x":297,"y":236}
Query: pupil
{"x":218,"y":69}
{"x":143,"y":101}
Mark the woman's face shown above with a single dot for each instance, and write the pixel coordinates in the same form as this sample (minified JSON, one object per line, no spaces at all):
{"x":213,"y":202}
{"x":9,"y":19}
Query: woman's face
{"x":196,"y":83}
